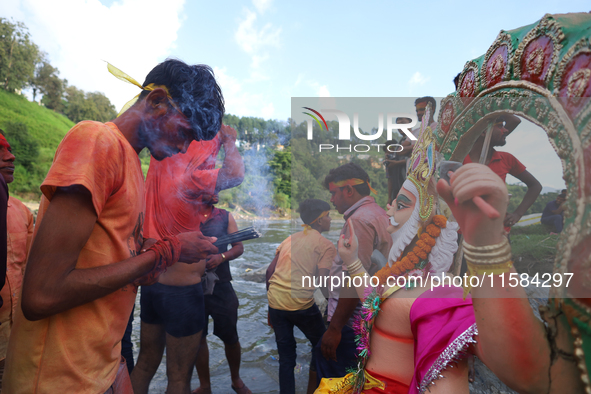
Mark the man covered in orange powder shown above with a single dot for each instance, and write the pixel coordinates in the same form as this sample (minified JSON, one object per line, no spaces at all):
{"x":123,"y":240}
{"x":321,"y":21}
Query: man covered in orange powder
{"x":88,"y":249}
{"x":19,"y":231}
{"x":178,"y":190}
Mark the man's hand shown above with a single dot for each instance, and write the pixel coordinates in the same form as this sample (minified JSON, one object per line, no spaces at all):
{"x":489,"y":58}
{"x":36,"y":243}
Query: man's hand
{"x":228,"y":134}
{"x":329,"y":343}
{"x":511,"y":219}
{"x":148,"y":242}
{"x":212,"y":261}
{"x":476,"y":180}
{"x":196,"y":246}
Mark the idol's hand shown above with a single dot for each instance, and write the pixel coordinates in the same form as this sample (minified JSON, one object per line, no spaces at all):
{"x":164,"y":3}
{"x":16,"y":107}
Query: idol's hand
{"x":470,"y":181}
{"x":348,"y":247}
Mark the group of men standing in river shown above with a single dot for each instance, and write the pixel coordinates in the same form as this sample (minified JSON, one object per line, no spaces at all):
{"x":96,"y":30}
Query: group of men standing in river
{"x":101,"y":232}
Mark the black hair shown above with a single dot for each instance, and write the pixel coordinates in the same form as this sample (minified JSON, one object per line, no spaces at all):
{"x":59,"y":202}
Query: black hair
{"x":349,"y":171}
{"x":562,"y":193}
{"x":312,"y":208}
{"x":428,"y":99}
{"x":195,"y":91}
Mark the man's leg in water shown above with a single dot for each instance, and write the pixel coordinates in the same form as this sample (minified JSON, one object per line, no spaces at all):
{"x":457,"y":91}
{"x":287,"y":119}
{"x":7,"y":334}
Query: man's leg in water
{"x":233,"y":355}
{"x":202,"y":366}
{"x":152,"y":342}
{"x":222,"y":306}
{"x":181,"y":354}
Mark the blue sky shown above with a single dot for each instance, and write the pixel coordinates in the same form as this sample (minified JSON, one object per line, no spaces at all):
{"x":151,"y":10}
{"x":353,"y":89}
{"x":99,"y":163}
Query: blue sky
{"x":266,"y":51}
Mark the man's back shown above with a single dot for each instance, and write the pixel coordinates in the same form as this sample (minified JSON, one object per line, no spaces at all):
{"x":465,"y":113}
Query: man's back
{"x":300,"y":257}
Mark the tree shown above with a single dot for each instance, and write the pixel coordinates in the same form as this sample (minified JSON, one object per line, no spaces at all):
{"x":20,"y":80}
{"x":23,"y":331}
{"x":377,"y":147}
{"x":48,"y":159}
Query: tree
{"x":44,"y":79}
{"x":105,"y":111}
{"x":81,"y":106}
{"x":18,"y":55}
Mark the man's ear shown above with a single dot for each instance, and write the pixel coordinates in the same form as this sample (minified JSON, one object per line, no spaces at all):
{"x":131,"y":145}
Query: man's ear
{"x":157,"y":102}
{"x":349,"y":191}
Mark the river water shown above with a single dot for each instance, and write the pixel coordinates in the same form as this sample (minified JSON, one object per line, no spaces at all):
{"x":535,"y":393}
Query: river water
{"x":259,"y":368}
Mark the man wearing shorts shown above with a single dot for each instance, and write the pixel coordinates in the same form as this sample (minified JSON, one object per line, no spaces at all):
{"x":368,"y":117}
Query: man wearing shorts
{"x":177,"y":192}
{"x":88,"y":249}
{"x":222,"y":304}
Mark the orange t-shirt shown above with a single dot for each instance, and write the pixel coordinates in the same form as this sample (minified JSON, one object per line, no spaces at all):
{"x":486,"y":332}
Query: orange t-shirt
{"x":300,"y":255}
{"x":19,"y":230}
{"x":78,"y":351}
{"x":174,"y":187}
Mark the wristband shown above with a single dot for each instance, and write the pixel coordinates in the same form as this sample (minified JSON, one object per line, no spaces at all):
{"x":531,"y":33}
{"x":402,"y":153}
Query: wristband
{"x":168,"y":252}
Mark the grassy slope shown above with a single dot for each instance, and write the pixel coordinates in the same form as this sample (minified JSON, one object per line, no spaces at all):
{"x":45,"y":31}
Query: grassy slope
{"x":46,"y":126}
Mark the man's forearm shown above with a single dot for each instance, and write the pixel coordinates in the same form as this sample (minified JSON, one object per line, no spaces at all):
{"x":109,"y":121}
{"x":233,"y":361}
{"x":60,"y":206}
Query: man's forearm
{"x":232,"y":172}
{"x":44,"y":298}
{"x":530,"y":197}
{"x":235,"y":252}
{"x":343,"y":312}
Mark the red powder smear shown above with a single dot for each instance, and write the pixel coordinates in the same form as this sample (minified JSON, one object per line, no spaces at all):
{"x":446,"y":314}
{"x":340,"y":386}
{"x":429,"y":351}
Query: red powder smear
{"x":3,"y":142}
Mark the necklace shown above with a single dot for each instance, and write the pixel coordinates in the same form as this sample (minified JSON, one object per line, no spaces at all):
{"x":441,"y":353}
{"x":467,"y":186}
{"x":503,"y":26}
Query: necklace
{"x":418,"y":254}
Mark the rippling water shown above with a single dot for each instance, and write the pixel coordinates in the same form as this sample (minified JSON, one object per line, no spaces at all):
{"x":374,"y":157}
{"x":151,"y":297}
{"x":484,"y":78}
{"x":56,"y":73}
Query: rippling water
{"x":259,"y":368}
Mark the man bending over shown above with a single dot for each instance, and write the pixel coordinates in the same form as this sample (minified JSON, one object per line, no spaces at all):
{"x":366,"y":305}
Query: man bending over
{"x":88,"y":249}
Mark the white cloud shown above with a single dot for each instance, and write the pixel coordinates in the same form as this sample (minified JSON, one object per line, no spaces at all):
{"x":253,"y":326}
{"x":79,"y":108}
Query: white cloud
{"x":262,"y":5}
{"x":323,"y":91}
{"x":254,"y":40}
{"x":267,"y":111}
{"x":417,"y":79}
{"x":79,"y":34}
{"x":239,"y":99}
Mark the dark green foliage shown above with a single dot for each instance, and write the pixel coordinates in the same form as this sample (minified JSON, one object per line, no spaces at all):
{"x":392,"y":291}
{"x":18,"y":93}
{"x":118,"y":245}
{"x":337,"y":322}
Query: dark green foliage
{"x":45,"y":127}
{"x":518,"y":192}
{"x":18,"y":55}
{"x":88,"y":106}
{"x":28,"y":171}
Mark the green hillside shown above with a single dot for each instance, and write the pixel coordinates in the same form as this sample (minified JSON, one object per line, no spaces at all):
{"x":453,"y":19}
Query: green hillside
{"x":45,"y":129}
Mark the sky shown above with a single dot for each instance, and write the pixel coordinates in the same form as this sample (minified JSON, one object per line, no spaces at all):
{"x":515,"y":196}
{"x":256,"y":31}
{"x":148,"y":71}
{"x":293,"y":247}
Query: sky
{"x":264,"y":52}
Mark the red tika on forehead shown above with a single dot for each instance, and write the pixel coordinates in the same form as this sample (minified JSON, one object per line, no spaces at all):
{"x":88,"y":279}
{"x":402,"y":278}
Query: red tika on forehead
{"x":3,"y":142}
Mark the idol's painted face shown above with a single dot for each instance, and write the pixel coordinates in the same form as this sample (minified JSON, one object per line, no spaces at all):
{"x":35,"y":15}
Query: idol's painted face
{"x":400,"y":210}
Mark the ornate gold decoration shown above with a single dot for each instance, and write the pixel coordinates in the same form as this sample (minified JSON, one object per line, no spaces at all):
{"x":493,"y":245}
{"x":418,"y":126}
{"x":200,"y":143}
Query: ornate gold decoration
{"x":577,"y":83}
{"x":535,"y":61}
{"x":546,"y":27}
{"x":422,"y":165}
{"x":471,"y":88}
{"x":503,"y":39}
{"x":581,"y":46}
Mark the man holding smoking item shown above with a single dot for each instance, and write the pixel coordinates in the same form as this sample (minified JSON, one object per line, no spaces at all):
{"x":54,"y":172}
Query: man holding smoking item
{"x":179,"y":190}
{"x":88,"y":250}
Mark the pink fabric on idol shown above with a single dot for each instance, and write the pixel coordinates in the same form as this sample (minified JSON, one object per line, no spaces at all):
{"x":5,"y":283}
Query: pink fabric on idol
{"x":443,"y":326}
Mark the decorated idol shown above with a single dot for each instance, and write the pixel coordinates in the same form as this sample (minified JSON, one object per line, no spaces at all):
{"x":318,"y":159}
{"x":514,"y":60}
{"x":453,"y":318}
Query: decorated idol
{"x":418,"y":333}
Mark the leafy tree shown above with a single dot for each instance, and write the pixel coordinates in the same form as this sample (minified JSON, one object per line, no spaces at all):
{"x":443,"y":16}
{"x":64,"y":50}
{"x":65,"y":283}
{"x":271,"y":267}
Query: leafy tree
{"x":53,"y":92}
{"x":18,"y":55}
{"x":105,"y":110}
{"x":88,"y":106}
